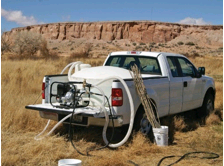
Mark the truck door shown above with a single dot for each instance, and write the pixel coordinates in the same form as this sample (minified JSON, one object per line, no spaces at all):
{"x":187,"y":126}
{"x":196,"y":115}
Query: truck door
{"x":192,"y":86}
{"x":176,"y":86}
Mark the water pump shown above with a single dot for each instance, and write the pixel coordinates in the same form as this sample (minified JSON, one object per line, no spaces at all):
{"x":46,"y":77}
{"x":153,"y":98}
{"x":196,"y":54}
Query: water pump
{"x":67,"y":95}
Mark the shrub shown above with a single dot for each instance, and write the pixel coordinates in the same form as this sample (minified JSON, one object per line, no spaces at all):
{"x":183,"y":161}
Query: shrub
{"x":146,"y":48}
{"x":138,"y":48}
{"x":54,"y":48}
{"x":180,"y":43}
{"x":51,"y":55}
{"x":27,"y":43}
{"x":84,"y":53}
{"x":161,"y":45}
{"x":5,"y":44}
{"x":142,"y":44}
{"x":190,"y":43}
{"x":185,"y":54}
{"x":80,"y":54}
{"x":153,"y":43}
{"x":45,"y":53}
{"x":134,"y":44}
{"x":195,"y":54}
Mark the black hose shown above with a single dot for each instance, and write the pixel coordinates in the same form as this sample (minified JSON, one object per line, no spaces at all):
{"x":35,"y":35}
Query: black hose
{"x":70,"y":124}
{"x":187,"y":154}
{"x":214,"y":155}
{"x":111,"y":138}
{"x":131,"y":162}
{"x":71,"y":133}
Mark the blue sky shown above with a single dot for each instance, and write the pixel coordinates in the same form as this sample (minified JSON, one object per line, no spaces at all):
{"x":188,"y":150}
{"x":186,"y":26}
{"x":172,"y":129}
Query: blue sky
{"x":18,"y":13}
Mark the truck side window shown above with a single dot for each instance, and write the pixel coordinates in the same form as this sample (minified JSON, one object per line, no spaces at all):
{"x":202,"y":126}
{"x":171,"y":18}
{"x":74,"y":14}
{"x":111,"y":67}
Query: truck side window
{"x":150,"y":65}
{"x":186,"y":67}
{"x":173,"y":66}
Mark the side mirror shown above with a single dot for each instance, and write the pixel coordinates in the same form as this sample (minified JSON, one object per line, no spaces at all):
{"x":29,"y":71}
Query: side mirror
{"x":201,"y":70}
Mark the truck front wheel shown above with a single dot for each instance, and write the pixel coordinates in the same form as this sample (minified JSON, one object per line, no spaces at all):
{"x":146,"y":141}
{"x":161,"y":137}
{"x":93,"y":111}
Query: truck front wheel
{"x":207,"y":107}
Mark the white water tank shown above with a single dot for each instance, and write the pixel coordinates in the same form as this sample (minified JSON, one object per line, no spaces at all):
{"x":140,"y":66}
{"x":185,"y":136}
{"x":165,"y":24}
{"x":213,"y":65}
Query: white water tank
{"x":79,"y":67}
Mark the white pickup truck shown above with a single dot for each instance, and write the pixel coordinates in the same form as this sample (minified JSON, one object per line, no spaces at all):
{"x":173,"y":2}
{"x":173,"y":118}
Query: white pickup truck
{"x":172,"y":82}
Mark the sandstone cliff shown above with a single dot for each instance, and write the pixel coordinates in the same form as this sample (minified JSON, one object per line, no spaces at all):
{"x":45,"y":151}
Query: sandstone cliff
{"x":137,"y":31}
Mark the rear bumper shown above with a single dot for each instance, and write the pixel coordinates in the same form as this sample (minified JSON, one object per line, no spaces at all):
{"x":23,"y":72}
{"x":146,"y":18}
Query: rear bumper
{"x":88,"y":116}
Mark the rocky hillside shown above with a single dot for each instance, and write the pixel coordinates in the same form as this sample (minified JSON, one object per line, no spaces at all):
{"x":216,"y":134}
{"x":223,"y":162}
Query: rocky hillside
{"x":143,"y":31}
{"x":104,"y":37}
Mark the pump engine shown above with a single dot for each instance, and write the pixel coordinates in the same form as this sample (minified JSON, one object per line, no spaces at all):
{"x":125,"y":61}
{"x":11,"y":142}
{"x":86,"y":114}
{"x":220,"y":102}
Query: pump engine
{"x":67,"y":95}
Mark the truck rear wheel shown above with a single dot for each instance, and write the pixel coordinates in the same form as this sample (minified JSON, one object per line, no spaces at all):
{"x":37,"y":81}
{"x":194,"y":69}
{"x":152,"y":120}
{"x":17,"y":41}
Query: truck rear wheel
{"x":145,"y":126}
{"x":141,"y":122}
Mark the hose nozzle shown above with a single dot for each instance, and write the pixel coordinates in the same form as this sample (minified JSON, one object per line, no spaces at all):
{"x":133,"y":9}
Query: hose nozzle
{"x":84,"y":83}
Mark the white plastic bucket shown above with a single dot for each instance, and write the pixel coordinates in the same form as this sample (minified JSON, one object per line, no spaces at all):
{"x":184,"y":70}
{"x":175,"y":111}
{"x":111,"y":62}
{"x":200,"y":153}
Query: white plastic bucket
{"x":69,"y":162}
{"x":161,"y":135}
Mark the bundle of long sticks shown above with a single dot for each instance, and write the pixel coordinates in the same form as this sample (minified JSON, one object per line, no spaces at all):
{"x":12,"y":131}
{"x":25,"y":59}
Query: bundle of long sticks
{"x":152,"y":114}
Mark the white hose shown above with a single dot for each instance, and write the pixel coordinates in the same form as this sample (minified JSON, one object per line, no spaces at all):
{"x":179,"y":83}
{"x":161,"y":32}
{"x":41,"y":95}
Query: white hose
{"x":49,"y":133}
{"x":70,"y":69}
{"x":107,"y":118}
{"x":78,"y":62}
{"x":45,"y":128}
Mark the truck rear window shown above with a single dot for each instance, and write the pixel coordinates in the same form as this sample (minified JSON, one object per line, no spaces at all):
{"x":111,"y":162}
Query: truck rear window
{"x":147,"y":65}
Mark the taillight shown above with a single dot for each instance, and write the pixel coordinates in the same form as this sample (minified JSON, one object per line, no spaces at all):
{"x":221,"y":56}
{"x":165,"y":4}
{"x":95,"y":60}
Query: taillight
{"x":117,"y":97}
{"x":43,"y":90}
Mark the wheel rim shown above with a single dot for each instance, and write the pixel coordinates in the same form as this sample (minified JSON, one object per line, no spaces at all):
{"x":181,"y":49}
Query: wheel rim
{"x":145,"y":126}
{"x":209,"y":106}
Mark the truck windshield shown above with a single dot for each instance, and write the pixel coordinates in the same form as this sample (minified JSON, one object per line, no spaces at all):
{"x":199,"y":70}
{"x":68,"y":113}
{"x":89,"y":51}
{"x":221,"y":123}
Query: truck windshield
{"x":147,"y":65}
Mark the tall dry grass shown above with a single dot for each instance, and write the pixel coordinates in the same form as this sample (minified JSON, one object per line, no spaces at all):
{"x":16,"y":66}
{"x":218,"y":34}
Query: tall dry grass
{"x":21,"y":85}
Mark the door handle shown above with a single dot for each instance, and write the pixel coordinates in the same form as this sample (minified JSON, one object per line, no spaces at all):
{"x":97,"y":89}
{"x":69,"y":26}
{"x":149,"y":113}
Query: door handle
{"x":185,"y":83}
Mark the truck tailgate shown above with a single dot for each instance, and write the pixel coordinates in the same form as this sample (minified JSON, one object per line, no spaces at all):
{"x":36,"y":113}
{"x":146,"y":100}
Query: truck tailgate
{"x":84,"y":111}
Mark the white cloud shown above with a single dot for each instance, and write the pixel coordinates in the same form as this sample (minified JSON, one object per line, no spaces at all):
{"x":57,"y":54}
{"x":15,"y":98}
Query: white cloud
{"x":194,"y":21}
{"x":18,"y":17}
{"x":66,"y":18}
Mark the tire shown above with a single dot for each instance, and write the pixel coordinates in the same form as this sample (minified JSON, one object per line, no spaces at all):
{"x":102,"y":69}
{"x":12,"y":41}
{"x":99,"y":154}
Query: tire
{"x":207,"y":107}
{"x":141,"y":123}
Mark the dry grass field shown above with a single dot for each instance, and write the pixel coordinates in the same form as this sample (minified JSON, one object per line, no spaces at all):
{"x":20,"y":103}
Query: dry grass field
{"x":21,"y":82}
